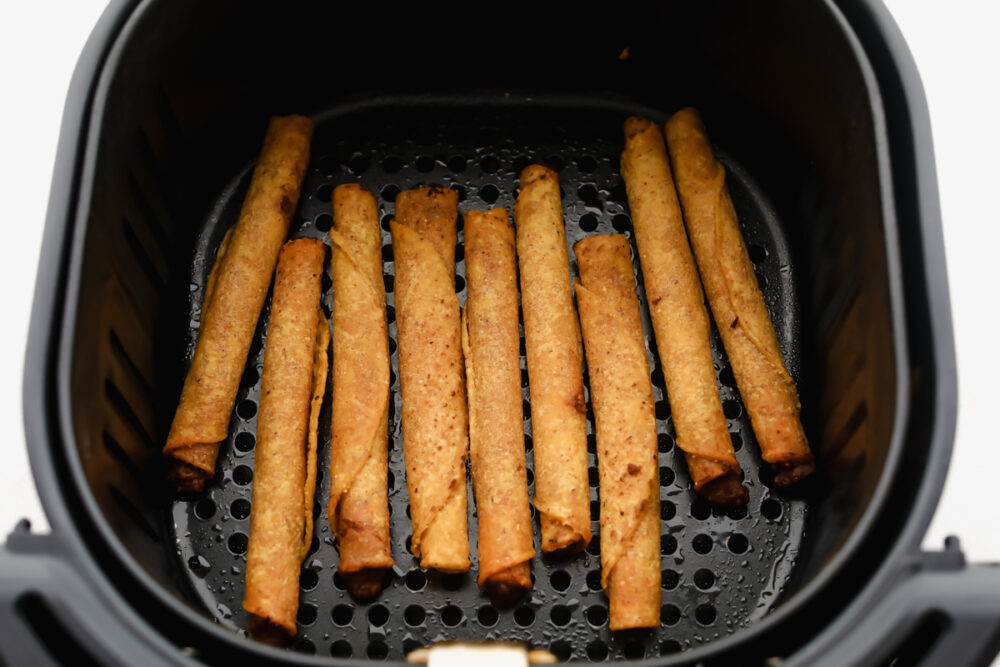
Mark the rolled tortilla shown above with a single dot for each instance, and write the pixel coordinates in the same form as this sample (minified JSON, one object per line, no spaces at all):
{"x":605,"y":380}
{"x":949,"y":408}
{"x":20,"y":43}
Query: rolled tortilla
{"x":680,"y":319}
{"x":359,"y":508}
{"x":434,"y":418}
{"x":768,"y":391}
{"x":292,"y":386}
{"x":555,"y":364}
{"x":233,"y":300}
{"x":491,"y":343}
{"x":625,"y":421}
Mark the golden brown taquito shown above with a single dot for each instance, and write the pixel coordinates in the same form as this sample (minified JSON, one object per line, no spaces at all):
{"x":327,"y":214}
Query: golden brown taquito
{"x":767,"y":389}
{"x":625,"y":422}
{"x":555,"y":366}
{"x":491,"y":343}
{"x":233,"y":301}
{"x":359,"y":437}
{"x":680,"y":319}
{"x":431,"y":376}
{"x":292,"y":386}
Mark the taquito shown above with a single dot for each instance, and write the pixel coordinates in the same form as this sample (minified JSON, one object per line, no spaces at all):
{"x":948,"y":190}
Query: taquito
{"x":359,"y":436}
{"x":233,"y":300}
{"x":680,"y":319}
{"x":768,"y":391}
{"x":625,"y":422}
{"x":555,"y":366}
{"x":434,"y":414}
{"x":491,"y":343}
{"x":292,"y":386}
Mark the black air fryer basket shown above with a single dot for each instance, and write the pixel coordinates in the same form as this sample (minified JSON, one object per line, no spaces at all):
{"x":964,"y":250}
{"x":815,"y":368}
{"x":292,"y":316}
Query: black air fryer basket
{"x":816,"y":111}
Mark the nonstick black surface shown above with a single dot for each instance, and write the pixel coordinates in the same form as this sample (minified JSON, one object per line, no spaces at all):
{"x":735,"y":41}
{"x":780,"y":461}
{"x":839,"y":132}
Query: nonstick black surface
{"x":720,"y":571}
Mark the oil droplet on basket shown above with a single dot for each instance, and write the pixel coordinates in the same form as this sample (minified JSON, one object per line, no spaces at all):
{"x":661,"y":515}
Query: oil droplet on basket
{"x":223,"y":611}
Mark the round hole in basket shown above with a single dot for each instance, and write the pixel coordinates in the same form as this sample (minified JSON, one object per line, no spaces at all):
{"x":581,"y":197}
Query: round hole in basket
{"x":343,"y":614}
{"x":240,"y":509}
{"x":341,"y":649}
{"x":307,"y":614}
{"x":378,"y":615}
{"x":308,"y":580}
{"x":704,"y":578}
{"x":524,"y":616}
{"x":561,"y":649}
{"x":244,"y":442}
{"x":452,"y":615}
{"x":359,"y":163}
{"x":416,"y":580}
{"x":487,"y":616}
{"x":737,"y":543}
{"x":586,"y":164}
{"x":205,"y":509}
{"x":246,"y":409}
{"x":560,"y":615}
{"x":414,"y":615}
{"x":670,"y":614}
{"x":705,"y":614}
{"x":391,"y":164}
{"x":560,"y":580}
{"x":597,"y":650}
{"x":377,"y":649}
{"x":424,"y":164}
{"x":303,"y":645}
{"x":634,"y":651}
{"x":489,"y":164}
{"x":597,"y":615}
{"x":771,"y":509}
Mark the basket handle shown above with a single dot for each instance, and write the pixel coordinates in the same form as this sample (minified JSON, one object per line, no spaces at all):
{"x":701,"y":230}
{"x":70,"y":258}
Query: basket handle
{"x":49,"y":615}
{"x":942,"y":612}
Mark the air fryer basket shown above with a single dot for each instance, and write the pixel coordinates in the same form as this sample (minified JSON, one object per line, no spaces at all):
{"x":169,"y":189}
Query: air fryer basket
{"x":817,"y":115}
{"x":720,"y":572}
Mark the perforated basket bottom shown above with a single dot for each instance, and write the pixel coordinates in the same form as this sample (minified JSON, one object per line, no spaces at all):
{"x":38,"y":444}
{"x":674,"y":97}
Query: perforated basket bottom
{"x":720,"y":571}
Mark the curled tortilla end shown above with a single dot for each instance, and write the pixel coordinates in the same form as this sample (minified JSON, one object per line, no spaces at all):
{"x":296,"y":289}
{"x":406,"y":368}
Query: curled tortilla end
{"x":365,"y":585}
{"x":509,"y":585}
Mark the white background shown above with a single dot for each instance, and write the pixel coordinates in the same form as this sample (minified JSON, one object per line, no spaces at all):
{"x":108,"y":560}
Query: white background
{"x":957,"y":50}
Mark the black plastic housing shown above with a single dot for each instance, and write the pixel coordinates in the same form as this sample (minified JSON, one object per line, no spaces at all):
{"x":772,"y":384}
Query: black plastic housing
{"x":819,"y":103}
